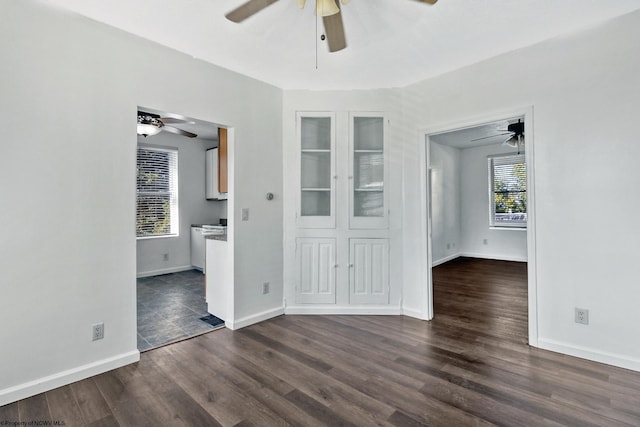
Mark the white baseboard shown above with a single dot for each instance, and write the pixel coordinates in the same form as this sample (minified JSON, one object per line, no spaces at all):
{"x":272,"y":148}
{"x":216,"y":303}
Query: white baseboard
{"x":445,"y":259}
{"x":337,"y":310}
{"x":417,"y":314}
{"x":165,"y":271}
{"x":40,"y":385}
{"x":492,"y":256}
{"x":255,"y":318}
{"x":590,"y":354}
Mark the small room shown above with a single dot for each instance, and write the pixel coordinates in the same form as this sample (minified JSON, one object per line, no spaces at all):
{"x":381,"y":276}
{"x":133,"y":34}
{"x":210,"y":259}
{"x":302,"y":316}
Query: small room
{"x":175,"y":211}
{"x":478,"y":179}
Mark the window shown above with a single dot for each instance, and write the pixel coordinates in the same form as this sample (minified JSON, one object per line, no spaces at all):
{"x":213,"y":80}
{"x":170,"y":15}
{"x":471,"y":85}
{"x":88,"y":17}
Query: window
{"x":157,"y":192}
{"x":508,"y":191}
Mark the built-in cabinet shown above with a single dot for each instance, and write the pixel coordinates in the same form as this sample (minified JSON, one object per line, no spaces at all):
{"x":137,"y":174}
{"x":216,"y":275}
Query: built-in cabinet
{"x":212,"y":186}
{"x":341,"y":202}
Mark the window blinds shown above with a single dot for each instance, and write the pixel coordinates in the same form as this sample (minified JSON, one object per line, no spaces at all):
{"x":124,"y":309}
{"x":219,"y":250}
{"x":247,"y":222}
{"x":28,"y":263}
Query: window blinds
{"x":508,"y":180}
{"x":157,"y":192}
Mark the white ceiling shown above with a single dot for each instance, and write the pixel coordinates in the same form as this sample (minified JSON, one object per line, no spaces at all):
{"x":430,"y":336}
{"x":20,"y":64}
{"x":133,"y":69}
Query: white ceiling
{"x":391,"y":43}
{"x":485,"y":134}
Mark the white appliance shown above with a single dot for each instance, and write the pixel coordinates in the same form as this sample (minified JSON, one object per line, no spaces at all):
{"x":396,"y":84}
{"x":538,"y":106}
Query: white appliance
{"x":198,"y":234}
{"x":211,"y":164}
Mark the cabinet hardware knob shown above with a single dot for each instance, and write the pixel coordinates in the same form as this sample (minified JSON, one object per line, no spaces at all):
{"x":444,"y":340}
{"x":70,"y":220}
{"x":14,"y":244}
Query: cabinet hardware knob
{"x":335,"y":176}
{"x":335,"y":265}
{"x":350,"y":265}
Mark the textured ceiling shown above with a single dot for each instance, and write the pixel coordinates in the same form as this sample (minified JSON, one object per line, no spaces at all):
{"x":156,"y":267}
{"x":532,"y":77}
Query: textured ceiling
{"x":391,"y":43}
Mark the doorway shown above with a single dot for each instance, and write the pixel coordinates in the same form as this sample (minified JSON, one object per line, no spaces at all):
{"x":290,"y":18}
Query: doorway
{"x":171,"y":199}
{"x":474,"y":207}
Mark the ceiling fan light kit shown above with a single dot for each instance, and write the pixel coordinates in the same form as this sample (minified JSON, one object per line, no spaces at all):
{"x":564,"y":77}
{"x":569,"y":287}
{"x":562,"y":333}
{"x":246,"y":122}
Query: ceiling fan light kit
{"x":329,"y":10}
{"x":148,"y":125}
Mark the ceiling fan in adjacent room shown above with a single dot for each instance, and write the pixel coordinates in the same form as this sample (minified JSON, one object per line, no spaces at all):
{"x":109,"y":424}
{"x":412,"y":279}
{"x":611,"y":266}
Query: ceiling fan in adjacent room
{"x":328,"y":9}
{"x":153,"y":124}
{"x":515,"y":132}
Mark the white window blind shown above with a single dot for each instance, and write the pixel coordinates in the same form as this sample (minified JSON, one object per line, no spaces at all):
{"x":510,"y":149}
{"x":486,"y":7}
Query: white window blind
{"x":508,"y":191}
{"x":157,"y":192}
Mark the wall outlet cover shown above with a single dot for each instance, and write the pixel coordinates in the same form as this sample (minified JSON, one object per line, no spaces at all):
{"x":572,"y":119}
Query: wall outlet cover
{"x":98,"y":331}
{"x":265,"y":288}
{"x":582,"y":316}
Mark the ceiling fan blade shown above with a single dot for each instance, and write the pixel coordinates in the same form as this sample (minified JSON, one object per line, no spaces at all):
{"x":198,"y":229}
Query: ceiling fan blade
{"x":334,"y":28}
{"x":177,"y":131}
{"x":169,"y":120}
{"x":493,"y":136}
{"x":248,"y":9}
{"x":429,"y":1}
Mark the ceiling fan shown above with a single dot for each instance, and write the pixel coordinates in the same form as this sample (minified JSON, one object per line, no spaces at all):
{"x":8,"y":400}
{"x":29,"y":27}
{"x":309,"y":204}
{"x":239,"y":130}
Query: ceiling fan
{"x":328,"y":9}
{"x":153,"y":124}
{"x":515,"y":132}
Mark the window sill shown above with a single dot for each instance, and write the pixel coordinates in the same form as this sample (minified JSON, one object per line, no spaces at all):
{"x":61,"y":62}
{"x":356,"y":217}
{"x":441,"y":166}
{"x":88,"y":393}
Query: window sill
{"x":494,"y":227}
{"x":164,"y":236}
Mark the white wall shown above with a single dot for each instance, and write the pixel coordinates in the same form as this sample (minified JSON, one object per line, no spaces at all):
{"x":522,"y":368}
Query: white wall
{"x":584,"y":90}
{"x":445,"y":202}
{"x":70,"y":90}
{"x":194,"y":208}
{"x":506,"y":244}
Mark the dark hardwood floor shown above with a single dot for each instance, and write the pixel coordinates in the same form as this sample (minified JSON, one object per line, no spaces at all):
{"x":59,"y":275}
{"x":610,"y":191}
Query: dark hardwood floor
{"x":470,"y":366}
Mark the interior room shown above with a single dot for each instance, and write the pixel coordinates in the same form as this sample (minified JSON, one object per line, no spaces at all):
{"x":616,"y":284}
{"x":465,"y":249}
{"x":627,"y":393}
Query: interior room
{"x":329,"y":110}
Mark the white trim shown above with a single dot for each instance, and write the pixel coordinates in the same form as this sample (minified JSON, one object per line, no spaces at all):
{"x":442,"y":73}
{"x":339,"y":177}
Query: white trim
{"x":40,"y":385}
{"x":590,"y":354}
{"x":415,"y":313}
{"x":445,"y":259}
{"x":423,"y":147}
{"x":254,"y":318}
{"x":373,"y":310}
{"x":166,"y":271}
{"x":498,"y":257}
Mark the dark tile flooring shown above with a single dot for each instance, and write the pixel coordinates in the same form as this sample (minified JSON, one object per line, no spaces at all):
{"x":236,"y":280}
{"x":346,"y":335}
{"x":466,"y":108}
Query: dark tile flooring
{"x":170,"y":307}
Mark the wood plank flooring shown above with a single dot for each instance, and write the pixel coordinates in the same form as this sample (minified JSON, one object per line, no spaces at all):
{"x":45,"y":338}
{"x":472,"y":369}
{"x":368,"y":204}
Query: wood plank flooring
{"x":470,"y":366}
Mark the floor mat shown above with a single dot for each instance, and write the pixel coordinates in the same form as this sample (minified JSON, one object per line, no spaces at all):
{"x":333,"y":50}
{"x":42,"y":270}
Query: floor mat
{"x":212,"y":320}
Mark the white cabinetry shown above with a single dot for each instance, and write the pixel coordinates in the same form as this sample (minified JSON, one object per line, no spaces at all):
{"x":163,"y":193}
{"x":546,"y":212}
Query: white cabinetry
{"x":316,"y":260}
{"x":369,"y":271}
{"x":341,"y":223}
{"x":197,"y":248}
{"x":316,"y":191}
{"x":367,"y":197}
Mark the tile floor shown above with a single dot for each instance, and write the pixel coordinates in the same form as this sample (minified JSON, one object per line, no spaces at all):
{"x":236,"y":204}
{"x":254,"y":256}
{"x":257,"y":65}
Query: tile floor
{"x":170,"y":307}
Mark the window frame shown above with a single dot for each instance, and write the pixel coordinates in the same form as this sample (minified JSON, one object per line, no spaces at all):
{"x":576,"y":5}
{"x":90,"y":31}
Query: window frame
{"x":172,"y":193}
{"x":503,"y":160}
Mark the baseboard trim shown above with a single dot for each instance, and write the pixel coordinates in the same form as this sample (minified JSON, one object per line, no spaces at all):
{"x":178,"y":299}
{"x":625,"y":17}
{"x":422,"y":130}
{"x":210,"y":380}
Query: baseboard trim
{"x":590,"y":354}
{"x":255,"y":318}
{"x":445,"y":259}
{"x":495,"y":257}
{"x":31,"y":388}
{"x":416,"y":314}
{"x":337,"y":310}
{"x":165,"y":271}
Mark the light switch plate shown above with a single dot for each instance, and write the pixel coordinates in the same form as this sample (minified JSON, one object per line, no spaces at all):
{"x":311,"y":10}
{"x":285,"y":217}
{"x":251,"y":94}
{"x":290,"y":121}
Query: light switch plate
{"x":244,"y":212}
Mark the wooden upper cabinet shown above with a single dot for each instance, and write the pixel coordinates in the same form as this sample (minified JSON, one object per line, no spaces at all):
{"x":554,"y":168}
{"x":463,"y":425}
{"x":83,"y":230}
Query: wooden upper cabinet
{"x":222,"y":161}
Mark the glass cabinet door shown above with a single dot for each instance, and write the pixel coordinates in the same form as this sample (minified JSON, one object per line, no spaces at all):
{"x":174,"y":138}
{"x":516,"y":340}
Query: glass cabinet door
{"x":368,"y":207}
{"x":317,"y":164}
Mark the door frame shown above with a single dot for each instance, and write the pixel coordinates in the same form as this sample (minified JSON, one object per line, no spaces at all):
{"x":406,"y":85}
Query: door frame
{"x":424,"y":145}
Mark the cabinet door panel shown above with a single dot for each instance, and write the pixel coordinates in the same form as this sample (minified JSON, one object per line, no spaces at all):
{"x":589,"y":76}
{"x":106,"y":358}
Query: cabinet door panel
{"x":369,"y":275}
{"x":316,"y":163}
{"x":316,"y":259}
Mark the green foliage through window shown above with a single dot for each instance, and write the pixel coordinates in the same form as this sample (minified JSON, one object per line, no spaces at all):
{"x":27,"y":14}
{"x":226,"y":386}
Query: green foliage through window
{"x":508,"y":181}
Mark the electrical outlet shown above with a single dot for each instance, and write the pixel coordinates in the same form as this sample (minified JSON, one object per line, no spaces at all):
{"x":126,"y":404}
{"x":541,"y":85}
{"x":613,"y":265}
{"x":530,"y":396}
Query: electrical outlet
{"x":485,"y":241}
{"x":165,"y":257}
{"x":448,"y":245}
{"x":98,"y":331}
{"x":582,"y":316}
{"x":265,"y":288}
